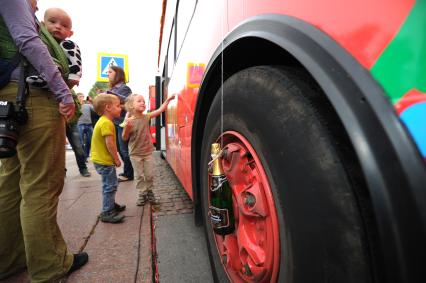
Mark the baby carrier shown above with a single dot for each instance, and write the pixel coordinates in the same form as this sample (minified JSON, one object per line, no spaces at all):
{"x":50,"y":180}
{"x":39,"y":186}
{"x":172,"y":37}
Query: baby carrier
{"x":9,"y":55}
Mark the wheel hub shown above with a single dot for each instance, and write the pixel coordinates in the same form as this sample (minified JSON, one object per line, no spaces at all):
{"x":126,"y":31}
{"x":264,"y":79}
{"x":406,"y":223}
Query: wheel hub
{"x":252,"y":252}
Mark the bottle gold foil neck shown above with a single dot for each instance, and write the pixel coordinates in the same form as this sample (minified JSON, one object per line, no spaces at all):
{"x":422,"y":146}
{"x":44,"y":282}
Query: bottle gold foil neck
{"x":215,"y":148}
{"x":217,"y":169}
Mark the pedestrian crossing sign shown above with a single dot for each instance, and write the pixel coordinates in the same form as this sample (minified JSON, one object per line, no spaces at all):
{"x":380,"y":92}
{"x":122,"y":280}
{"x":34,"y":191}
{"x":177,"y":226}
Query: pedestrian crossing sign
{"x":105,"y":60}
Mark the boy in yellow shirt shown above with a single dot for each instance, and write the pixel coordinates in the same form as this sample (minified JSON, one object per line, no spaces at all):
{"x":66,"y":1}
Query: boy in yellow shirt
{"x":105,"y":156}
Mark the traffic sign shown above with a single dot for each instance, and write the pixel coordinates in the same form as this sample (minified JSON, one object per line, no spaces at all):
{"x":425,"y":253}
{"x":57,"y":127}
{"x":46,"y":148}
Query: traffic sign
{"x":105,"y":60}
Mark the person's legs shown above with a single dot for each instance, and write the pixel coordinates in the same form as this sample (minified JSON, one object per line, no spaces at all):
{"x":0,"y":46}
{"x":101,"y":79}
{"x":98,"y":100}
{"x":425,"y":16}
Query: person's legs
{"x":147,"y":172}
{"x":12,"y":251}
{"x":82,"y":136}
{"x":124,"y":154}
{"x":85,"y":131}
{"x":109,"y":188}
{"x":148,"y":166}
{"x":88,"y":129}
{"x":109,"y":185}
{"x":74,"y":140}
{"x":137,"y":164}
{"x":41,"y":154}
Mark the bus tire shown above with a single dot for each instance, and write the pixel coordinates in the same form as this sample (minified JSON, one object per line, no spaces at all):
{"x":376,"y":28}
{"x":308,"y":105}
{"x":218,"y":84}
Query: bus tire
{"x":322,"y":237}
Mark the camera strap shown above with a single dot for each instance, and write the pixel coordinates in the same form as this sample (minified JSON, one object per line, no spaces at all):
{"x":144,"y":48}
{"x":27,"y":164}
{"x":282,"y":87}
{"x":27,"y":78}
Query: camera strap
{"x":23,"y":92}
{"x":23,"y":89}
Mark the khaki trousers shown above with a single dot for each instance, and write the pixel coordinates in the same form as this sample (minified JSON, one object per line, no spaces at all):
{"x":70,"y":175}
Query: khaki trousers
{"x":30,"y":185}
{"x":142,"y":167}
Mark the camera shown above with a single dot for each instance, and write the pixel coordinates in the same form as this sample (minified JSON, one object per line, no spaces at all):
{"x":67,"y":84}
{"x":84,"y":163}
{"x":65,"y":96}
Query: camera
{"x":11,"y":117}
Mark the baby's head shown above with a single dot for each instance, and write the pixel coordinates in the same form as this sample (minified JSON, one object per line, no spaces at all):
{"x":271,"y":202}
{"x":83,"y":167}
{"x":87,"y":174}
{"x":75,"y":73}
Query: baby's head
{"x":135,"y":103}
{"x":103,"y":101}
{"x":58,"y":23}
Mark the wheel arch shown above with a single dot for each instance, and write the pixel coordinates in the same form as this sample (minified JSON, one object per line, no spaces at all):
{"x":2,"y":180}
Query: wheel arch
{"x":395,"y":182}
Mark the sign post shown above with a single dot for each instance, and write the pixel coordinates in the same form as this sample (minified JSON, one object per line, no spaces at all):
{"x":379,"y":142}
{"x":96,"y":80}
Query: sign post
{"x":105,"y":60}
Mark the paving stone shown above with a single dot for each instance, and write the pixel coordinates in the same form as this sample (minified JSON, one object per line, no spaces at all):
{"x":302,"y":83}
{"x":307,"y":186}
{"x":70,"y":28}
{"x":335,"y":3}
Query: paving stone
{"x":113,"y":250}
{"x":167,"y":188}
{"x":145,"y":271}
{"x":77,"y":220}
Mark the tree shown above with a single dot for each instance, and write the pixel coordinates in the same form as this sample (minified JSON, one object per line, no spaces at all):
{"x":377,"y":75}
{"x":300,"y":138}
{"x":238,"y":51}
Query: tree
{"x":103,"y":86}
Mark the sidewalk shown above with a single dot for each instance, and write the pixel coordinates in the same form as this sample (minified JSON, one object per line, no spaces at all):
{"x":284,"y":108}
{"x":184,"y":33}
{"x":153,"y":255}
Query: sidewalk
{"x":117,"y":252}
{"x":126,"y":252}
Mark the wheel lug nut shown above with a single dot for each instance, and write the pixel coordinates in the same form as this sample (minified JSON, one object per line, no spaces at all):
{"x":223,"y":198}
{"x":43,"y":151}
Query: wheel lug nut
{"x":226,"y":154}
{"x":250,"y":200}
{"x":224,"y":259}
{"x":247,"y":270}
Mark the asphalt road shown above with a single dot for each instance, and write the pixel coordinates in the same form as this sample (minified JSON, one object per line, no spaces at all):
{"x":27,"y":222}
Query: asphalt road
{"x":181,"y":247}
{"x":182,"y":253}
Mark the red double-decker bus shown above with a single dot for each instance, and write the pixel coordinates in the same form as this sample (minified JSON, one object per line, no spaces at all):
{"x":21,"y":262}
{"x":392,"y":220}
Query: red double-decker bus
{"x":320,"y":107}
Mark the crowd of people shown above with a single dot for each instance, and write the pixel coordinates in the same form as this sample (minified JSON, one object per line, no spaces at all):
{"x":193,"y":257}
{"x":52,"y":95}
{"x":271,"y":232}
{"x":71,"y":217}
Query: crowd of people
{"x":39,"y":60}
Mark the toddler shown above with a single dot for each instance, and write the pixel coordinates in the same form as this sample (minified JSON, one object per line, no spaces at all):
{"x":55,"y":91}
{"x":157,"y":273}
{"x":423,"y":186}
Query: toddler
{"x":59,"y":24}
{"x":136,"y":130}
{"x":104,"y":155}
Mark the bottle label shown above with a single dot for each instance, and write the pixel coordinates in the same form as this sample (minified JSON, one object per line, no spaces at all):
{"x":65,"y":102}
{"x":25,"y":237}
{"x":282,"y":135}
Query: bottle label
{"x":219,"y":217}
{"x":217,"y":182}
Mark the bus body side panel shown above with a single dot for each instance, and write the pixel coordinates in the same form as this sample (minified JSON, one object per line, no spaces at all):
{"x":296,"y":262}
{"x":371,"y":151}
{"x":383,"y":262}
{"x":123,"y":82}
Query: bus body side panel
{"x":364,"y":28}
{"x":364,"y":34}
{"x":200,"y":43}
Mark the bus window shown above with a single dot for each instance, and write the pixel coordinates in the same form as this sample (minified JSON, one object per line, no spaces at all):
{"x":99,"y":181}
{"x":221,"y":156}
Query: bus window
{"x":183,"y":18}
{"x":171,"y":52}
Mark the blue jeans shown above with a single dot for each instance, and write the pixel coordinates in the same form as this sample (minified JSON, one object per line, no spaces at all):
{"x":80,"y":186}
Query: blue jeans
{"x":74,"y":139}
{"x":109,"y":185}
{"x":123,"y":150}
{"x":86,"y":131}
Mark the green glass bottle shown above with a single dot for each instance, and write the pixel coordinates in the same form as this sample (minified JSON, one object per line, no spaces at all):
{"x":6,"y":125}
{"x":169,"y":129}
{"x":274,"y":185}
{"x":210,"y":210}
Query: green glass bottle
{"x":221,"y":207}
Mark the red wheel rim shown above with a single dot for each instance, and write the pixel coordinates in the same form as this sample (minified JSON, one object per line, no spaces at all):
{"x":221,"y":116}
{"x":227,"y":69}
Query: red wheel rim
{"x":252,"y":252}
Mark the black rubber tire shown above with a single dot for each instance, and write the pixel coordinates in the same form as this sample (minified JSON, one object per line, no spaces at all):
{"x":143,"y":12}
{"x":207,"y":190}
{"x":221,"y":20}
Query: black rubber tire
{"x":322,"y":237}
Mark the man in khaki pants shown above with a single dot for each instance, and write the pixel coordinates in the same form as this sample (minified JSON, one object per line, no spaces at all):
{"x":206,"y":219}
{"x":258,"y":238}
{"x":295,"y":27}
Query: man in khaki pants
{"x":32,"y":180}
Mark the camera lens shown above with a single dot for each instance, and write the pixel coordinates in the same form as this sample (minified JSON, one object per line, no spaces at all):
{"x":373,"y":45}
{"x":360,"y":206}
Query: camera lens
{"x":7,"y":146}
{"x":8,"y":138}
{"x":10,"y":119}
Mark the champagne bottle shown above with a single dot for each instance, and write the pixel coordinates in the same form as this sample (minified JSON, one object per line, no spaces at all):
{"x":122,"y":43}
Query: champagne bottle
{"x":221,"y":207}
